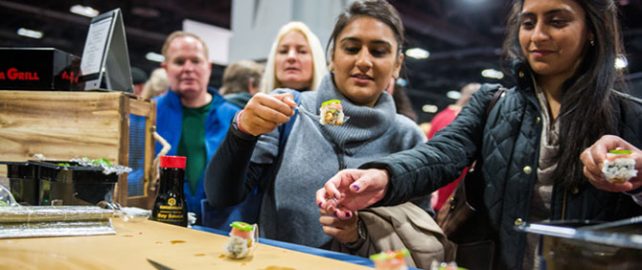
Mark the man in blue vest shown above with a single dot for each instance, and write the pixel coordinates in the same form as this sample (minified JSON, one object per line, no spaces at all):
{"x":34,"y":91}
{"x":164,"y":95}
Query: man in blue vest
{"x":191,"y":116}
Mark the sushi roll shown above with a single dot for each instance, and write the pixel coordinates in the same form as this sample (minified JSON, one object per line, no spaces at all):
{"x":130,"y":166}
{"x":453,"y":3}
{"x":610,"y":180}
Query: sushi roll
{"x":445,"y":266}
{"x":242,"y":240}
{"x":331,"y":113}
{"x":619,"y":166}
{"x":390,"y":260}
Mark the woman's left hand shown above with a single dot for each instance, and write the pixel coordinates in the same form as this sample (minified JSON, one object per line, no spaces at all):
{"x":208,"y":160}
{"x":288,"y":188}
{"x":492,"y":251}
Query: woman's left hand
{"x":593,"y":159}
{"x":345,"y":231}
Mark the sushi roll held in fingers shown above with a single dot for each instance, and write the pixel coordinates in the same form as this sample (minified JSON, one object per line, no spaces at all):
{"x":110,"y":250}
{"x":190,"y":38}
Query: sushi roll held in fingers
{"x":619,"y":166}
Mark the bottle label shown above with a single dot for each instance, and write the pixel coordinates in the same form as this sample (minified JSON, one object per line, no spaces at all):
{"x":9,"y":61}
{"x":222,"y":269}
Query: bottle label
{"x":170,"y":206}
{"x":170,"y":212}
{"x":171,"y":215}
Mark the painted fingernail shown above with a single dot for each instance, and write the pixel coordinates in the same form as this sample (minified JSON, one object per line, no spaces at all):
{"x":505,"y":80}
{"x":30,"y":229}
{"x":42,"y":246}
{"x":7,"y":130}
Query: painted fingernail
{"x":356,"y":187}
{"x":349,"y":214}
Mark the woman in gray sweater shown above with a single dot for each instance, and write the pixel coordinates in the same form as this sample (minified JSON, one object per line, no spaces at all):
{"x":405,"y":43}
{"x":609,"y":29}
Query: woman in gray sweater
{"x":365,"y":53}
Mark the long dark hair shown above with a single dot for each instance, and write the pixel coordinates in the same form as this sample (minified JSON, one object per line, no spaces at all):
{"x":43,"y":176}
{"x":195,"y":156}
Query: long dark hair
{"x":587,"y":105}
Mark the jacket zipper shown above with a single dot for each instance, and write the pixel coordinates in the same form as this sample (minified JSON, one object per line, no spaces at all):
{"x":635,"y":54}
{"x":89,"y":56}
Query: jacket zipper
{"x":564,"y":198}
{"x":340,"y":157}
{"x":342,"y":163}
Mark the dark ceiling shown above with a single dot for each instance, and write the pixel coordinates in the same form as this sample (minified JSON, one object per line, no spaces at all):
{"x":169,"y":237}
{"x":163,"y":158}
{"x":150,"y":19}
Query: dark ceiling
{"x":463,"y":36}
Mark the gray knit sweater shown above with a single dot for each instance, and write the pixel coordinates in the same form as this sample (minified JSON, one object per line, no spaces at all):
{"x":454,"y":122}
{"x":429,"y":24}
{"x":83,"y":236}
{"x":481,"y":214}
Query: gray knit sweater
{"x":313,"y":154}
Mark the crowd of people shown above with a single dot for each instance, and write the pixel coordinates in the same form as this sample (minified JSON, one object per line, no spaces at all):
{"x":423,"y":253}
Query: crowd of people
{"x":258,"y":151}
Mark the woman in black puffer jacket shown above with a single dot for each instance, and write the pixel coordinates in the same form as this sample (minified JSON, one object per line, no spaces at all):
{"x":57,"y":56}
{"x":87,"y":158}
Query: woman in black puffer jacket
{"x":528,"y":146}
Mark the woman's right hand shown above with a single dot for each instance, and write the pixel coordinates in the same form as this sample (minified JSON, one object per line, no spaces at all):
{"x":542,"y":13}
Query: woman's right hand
{"x":263,"y":113}
{"x":351,"y":190}
{"x":593,"y":160}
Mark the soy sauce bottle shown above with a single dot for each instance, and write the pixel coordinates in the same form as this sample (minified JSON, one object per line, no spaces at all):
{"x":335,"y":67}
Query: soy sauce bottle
{"x":170,"y":206}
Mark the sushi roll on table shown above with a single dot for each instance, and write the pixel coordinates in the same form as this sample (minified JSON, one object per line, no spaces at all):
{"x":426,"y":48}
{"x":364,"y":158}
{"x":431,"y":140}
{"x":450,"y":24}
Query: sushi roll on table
{"x":242,"y":240}
{"x":390,"y":260}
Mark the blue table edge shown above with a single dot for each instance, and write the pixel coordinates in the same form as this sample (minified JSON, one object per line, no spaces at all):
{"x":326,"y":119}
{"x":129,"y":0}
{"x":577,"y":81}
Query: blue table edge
{"x":305,"y":249}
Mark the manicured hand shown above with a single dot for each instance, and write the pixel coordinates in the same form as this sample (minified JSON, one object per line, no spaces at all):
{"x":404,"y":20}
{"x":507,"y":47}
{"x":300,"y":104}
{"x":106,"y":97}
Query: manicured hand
{"x":593,"y":159}
{"x":263,"y":113}
{"x":345,"y":231}
{"x":351,"y":190}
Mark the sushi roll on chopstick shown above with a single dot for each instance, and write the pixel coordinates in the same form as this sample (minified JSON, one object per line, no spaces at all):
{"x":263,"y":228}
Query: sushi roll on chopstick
{"x":619,"y":166}
{"x":242,"y":240}
{"x":332,"y":113}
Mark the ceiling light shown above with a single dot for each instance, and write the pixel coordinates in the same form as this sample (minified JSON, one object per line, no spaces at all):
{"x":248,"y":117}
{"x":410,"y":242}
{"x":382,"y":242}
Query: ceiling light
{"x":417,"y":53}
{"x":152,"y":56}
{"x":621,"y":62}
{"x":452,"y":94}
{"x":29,"y":33}
{"x":84,"y":11}
{"x":492,"y":74}
{"x":145,"y":12}
{"x":429,"y":108}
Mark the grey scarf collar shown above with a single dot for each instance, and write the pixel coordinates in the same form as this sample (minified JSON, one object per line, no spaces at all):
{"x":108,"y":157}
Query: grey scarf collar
{"x":365,"y":123}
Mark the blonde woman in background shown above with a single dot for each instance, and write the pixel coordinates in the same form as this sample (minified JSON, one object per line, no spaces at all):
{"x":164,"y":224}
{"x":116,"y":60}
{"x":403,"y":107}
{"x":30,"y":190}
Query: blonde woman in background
{"x":296,"y":60}
{"x":156,"y":85}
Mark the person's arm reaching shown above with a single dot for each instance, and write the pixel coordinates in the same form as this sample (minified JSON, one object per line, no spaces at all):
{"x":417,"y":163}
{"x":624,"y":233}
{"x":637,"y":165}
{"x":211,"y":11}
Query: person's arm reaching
{"x":230,"y":175}
{"x":397,"y":178}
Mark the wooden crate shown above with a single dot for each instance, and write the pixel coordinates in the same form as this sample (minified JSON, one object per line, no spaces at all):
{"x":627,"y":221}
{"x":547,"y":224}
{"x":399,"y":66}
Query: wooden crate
{"x":64,"y":125}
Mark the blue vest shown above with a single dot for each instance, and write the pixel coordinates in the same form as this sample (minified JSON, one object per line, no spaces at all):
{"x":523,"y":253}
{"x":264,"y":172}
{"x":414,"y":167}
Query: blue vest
{"x":169,"y":124}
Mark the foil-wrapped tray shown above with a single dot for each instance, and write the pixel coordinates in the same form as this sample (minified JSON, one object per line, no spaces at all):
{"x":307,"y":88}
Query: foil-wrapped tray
{"x":49,"y":221}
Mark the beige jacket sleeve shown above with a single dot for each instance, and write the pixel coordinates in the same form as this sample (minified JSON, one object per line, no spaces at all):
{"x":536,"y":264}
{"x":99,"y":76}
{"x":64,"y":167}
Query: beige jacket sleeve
{"x":402,"y":226}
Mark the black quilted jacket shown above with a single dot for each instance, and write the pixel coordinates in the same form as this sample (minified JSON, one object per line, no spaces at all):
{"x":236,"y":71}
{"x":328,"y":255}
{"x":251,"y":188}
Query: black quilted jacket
{"x":508,"y":151}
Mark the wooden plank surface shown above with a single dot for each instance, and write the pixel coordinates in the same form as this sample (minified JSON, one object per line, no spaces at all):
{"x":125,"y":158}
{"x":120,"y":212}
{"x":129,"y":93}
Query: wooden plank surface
{"x":135,"y":243}
{"x":63,"y":125}
{"x":60,"y":125}
{"x":140,"y":107}
{"x":120,"y":194}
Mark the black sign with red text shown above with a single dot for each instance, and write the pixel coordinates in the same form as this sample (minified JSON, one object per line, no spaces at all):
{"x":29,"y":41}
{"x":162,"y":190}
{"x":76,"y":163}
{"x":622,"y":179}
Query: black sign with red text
{"x":38,"y":69}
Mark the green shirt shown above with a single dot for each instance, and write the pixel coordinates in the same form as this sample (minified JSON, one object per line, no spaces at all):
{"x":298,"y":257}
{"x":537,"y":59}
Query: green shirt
{"x":192,"y":144}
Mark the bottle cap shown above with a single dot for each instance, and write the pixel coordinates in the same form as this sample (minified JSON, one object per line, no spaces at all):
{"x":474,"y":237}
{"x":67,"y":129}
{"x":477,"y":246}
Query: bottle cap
{"x":173,"y":162}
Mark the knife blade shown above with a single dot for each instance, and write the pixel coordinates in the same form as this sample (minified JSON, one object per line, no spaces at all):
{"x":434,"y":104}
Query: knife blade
{"x":158,"y":265}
